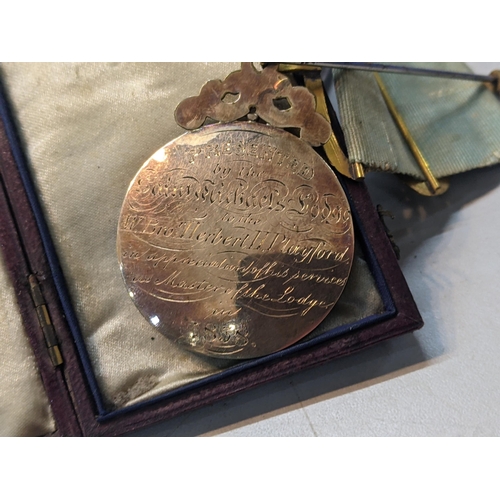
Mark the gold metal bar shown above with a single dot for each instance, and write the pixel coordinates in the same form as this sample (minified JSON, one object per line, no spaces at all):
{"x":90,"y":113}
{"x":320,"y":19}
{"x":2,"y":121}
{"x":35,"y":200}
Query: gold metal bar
{"x":285,"y":68}
{"x":332,"y":148}
{"x":36,"y":293}
{"x":358,"y":171}
{"x":42,"y":312}
{"x":55,"y":355}
{"x":43,"y":315}
{"x":422,"y":162}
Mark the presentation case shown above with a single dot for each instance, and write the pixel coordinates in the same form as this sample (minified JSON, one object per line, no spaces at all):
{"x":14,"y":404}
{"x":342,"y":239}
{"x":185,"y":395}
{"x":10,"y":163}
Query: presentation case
{"x":71,"y":138}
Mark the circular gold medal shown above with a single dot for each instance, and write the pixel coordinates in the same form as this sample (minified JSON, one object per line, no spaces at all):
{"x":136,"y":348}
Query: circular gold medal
{"x":235,"y":240}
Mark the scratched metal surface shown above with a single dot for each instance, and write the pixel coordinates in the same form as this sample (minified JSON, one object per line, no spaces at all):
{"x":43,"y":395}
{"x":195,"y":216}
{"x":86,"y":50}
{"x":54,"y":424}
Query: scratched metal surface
{"x":218,"y":249}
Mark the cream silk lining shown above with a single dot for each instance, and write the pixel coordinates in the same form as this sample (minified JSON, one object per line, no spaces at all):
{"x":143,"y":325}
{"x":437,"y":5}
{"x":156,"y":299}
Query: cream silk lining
{"x":24,"y":406}
{"x":87,"y":129}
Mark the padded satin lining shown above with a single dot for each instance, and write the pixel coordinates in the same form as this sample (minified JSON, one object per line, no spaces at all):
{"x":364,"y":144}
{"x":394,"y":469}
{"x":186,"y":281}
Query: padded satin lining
{"x":87,"y":129}
{"x":24,"y":406}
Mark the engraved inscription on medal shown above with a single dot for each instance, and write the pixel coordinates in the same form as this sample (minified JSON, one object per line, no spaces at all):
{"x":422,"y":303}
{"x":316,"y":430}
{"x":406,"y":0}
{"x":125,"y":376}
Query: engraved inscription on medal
{"x":235,"y":241}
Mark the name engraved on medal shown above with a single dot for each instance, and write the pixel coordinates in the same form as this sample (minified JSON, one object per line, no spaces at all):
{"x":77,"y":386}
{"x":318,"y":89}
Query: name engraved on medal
{"x":235,"y":241}
{"x":260,"y":151}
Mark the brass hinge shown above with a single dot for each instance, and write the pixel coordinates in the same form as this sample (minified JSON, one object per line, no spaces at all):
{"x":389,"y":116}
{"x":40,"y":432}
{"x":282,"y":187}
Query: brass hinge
{"x":45,"y":323}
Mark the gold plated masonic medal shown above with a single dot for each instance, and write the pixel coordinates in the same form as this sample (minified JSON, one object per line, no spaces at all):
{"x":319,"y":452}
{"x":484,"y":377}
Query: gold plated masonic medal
{"x":235,"y":239}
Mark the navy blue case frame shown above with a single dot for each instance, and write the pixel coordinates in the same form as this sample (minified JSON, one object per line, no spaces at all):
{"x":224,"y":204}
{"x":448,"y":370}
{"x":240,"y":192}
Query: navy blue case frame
{"x":76,"y":376}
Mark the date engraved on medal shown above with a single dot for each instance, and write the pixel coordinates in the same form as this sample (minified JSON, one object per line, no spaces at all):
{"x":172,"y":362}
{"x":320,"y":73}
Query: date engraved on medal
{"x":235,"y":240}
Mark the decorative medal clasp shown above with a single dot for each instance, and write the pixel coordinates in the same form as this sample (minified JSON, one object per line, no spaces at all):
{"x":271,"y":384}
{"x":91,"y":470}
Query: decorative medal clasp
{"x":267,"y":94}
